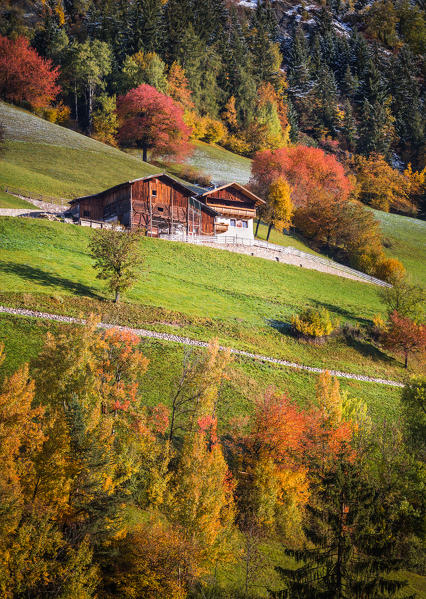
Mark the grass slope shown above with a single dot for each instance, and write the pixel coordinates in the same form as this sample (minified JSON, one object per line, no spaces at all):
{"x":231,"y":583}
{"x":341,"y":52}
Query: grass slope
{"x":8,"y":201}
{"x":201,"y":292}
{"x":44,"y":158}
{"x":406,"y":240}
{"x":222,"y":165}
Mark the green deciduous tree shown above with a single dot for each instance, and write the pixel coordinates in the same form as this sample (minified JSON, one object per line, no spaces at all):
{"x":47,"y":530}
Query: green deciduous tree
{"x":117,"y":258}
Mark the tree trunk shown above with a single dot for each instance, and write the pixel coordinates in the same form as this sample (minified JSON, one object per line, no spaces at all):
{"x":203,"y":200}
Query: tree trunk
{"x":406,"y":360}
{"x":257,"y":227}
{"x":75,"y":102}
{"x":269,"y":231}
{"x":90,"y":109}
{"x":145,"y":154}
{"x":117,"y":297}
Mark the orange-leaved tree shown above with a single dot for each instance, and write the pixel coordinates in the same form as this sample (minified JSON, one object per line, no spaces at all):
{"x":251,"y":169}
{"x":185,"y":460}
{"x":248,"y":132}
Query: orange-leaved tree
{"x":309,"y":171}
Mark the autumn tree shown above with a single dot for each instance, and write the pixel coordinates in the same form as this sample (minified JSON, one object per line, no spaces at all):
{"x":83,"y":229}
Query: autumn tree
{"x":267,"y":463}
{"x":230,"y":115}
{"x":404,"y":336}
{"x":309,"y":171}
{"x":35,"y":554}
{"x":177,"y":87}
{"x":201,"y":499}
{"x":144,"y":67}
{"x":380,"y":185}
{"x":196,"y":390}
{"x":279,"y":205}
{"x":105,"y":121}
{"x":403,"y":297}
{"x":26,"y":77}
{"x":117,"y":258}
{"x":153,"y":559}
{"x":152,"y":121}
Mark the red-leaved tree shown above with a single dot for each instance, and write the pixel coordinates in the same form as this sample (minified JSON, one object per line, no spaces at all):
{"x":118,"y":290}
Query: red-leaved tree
{"x":309,"y":171}
{"x":26,"y":77}
{"x":152,"y":121}
{"x":404,"y":336}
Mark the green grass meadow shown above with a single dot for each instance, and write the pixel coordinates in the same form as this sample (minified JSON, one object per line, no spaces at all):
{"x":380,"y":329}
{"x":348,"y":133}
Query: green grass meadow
{"x":197,"y":292}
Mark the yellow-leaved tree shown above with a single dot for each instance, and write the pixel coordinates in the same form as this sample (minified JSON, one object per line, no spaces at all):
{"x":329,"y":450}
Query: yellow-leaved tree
{"x":279,"y":205}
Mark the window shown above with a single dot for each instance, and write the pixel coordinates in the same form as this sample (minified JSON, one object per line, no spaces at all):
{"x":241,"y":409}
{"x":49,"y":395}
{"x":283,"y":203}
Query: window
{"x":86,"y":213}
{"x":244,"y":224}
{"x":232,"y":222}
{"x":160,"y":208}
{"x":154,"y":193}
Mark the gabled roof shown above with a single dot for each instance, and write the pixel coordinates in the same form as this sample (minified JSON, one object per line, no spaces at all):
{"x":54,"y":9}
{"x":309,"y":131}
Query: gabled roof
{"x":241,"y":188}
{"x":186,"y":189}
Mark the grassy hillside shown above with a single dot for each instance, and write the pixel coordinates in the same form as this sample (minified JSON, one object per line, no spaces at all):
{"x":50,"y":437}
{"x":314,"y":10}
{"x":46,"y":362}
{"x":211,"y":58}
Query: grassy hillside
{"x":201,"y":292}
{"x":9,"y":201}
{"x":222,"y":165}
{"x":44,"y":158}
{"x":405,"y":239}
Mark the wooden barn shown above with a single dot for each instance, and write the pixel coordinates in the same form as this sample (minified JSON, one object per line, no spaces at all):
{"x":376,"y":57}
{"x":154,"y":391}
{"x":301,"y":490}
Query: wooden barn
{"x":157,"y":203}
{"x":236,"y":207}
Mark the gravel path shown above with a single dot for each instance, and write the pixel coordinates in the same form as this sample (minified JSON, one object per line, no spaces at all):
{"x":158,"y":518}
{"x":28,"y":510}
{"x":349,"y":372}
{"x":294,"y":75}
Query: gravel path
{"x":196,"y":343}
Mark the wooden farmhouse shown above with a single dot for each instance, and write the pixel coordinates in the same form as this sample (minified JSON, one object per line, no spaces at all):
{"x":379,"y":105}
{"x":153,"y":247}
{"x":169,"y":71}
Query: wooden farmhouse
{"x":236,"y":207}
{"x":160,"y":205}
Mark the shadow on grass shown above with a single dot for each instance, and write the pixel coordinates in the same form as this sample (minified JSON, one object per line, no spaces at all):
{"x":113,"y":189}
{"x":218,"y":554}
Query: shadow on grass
{"x":41,"y":277}
{"x":340,"y":311}
{"x":282,"y":327}
{"x":368,"y":350}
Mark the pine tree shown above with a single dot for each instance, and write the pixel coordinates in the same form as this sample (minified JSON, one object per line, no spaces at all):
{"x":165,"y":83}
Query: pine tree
{"x":349,"y":129}
{"x":352,"y":552}
{"x":325,"y":92}
{"x":406,"y":104}
{"x":145,"y":19}
{"x":349,"y":84}
{"x":299,"y":65}
{"x":293,"y":121}
{"x":265,"y":52}
{"x":376,"y":129}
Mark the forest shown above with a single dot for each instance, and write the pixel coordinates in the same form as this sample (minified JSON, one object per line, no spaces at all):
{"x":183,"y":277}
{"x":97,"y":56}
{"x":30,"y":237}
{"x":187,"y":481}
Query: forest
{"x":102,"y":496}
{"x":343,"y":76}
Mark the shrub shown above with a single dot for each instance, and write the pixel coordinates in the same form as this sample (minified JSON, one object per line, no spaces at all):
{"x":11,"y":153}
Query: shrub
{"x":195,"y":175}
{"x":390,"y":270}
{"x":313,"y":322}
{"x":60,"y":113}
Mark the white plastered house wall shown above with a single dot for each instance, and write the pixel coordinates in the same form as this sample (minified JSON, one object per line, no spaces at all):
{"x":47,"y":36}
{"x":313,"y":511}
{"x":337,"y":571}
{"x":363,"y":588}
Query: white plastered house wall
{"x":240,"y":228}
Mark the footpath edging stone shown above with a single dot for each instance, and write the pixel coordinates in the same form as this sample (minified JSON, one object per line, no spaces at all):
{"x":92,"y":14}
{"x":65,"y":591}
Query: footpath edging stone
{"x":197,"y":343}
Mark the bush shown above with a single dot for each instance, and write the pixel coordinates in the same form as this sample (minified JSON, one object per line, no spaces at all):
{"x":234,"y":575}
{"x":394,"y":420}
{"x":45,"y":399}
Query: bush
{"x":59,"y":114}
{"x":313,"y":323}
{"x":390,"y":270}
{"x":195,"y":175}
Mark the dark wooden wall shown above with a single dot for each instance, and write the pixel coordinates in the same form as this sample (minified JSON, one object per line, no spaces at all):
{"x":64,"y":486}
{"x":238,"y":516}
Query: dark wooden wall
{"x":171,"y":207}
{"x":231,"y":202}
{"x":110,"y":203}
